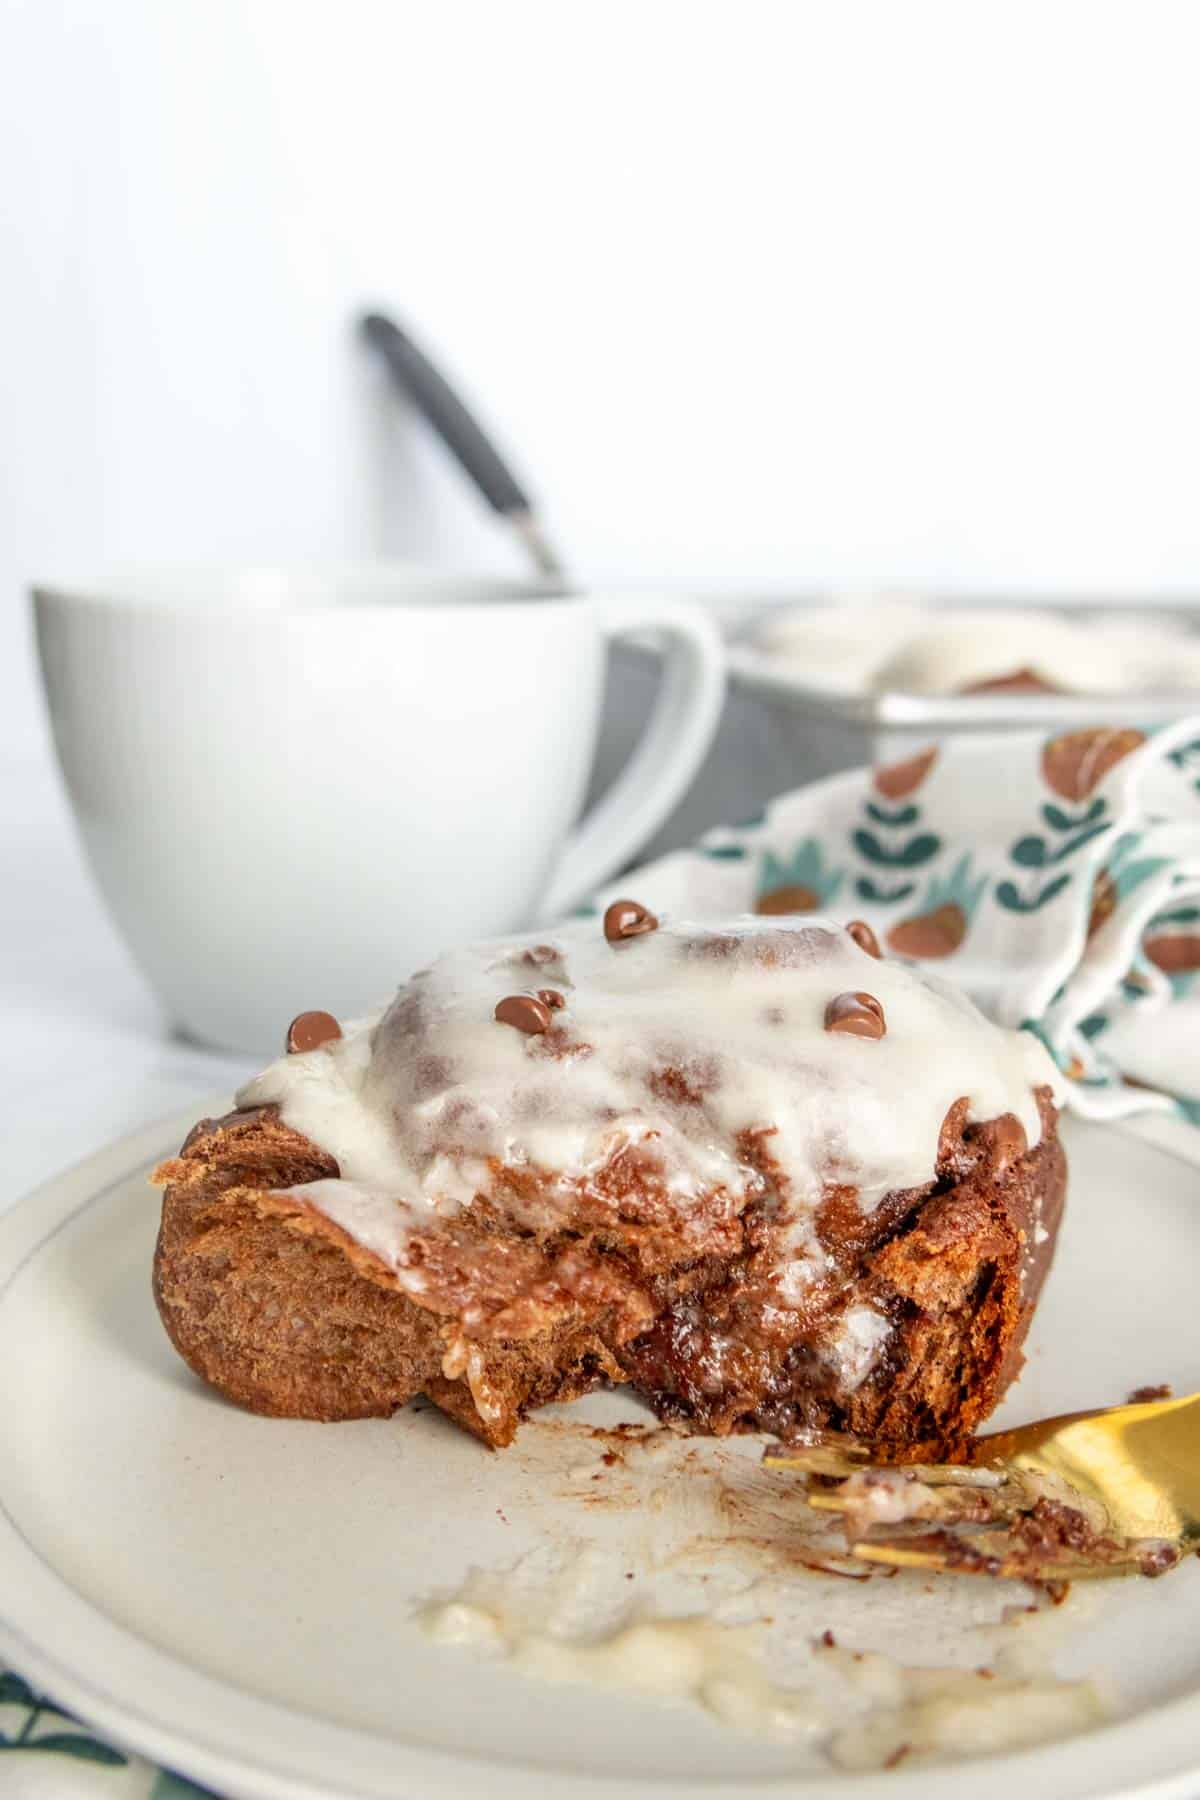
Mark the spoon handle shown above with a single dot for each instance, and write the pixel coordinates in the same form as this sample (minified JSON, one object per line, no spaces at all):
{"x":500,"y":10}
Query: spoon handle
{"x":460,"y":431}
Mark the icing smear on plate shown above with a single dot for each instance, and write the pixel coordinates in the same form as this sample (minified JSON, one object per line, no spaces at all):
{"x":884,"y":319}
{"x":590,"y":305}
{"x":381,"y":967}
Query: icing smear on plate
{"x":863,"y":1708}
{"x":720,"y":1667}
{"x":682,"y":1573}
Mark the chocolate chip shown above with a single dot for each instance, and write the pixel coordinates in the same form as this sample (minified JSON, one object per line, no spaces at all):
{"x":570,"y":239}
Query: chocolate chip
{"x":524,"y":1011}
{"x":864,"y":937}
{"x":551,"y":997}
{"x":308,"y":1031}
{"x":627,"y":919}
{"x":859,"y":1015}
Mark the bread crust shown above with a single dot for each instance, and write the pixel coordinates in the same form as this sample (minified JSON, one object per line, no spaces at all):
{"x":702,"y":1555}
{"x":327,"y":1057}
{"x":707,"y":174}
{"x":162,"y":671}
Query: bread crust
{"x":278,"y":1309}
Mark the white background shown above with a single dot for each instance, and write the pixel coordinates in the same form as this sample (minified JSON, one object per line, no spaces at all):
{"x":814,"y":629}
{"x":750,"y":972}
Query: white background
{"x":760,"y":290}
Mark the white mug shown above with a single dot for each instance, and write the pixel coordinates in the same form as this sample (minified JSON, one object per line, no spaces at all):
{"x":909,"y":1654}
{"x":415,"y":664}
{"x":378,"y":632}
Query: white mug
{"x":295,"y":788}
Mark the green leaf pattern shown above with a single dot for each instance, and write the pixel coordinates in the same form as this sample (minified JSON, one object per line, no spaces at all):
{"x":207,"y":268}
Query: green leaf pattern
{"x":169,"y":1786}
{"x":33,"y":1725}
{"x":1186,"y":758}
{"x":1065,"y":836}
{"x":910,"y":855}
{"x":881,"y":843}
{"x":867,"y":888}
{"x":23,"y":1733}
{"x":1009,"y":895}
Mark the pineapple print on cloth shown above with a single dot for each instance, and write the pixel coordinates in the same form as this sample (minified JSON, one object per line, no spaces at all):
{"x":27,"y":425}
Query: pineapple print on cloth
{"x":1056,"y":879}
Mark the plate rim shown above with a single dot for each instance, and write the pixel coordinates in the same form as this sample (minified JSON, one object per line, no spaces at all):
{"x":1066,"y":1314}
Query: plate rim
{"x":1154,"y":1754}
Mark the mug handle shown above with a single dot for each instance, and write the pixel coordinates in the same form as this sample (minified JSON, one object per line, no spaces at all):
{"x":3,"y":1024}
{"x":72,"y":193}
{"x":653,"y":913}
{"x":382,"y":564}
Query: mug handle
{"x":675,"y":742}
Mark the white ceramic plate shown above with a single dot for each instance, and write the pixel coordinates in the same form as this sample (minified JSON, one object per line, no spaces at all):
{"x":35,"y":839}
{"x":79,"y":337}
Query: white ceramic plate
{"x":234,"y":1596}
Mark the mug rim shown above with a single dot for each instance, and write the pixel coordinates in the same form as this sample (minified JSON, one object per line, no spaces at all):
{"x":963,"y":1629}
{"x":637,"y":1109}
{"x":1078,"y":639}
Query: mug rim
{"x":266,"y":588}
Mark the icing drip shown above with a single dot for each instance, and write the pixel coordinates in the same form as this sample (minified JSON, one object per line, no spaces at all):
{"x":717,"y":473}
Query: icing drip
{"x":672,"y":1054}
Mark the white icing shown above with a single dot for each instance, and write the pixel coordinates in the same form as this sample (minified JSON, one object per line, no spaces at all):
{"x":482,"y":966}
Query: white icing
{"x":854,"y":1350}
{"x":418,"y":1103}
{"x":718,"y":1667}
{"x":756,"y":1663}
{"x":945,"y":1713}
{"x":901,"y":646}
{"x":842,"y":645}
{"x":947,"y":655}
{"x":880,"y":1497}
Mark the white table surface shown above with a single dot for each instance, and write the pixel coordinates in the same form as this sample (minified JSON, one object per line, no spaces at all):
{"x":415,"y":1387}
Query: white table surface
{"x":85,"y":1054}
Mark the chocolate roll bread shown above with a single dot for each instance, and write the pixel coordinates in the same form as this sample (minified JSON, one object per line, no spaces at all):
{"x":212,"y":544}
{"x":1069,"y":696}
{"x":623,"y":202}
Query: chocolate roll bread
{"x":770,"y":1179}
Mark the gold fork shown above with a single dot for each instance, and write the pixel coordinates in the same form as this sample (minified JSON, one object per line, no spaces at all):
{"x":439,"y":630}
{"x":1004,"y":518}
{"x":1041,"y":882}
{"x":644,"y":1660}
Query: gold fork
{"x":1114,"y":1491}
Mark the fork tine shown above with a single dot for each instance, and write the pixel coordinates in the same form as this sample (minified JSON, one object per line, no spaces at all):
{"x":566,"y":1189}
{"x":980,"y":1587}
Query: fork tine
{"x":820,"y":1459}
{"x":912,"y":1553}
{"x":1114,"y":1491}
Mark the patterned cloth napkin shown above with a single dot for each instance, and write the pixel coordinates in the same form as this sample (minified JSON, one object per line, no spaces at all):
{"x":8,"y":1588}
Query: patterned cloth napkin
{"x":47,"y":1755}
{"x":1056,"y":879}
